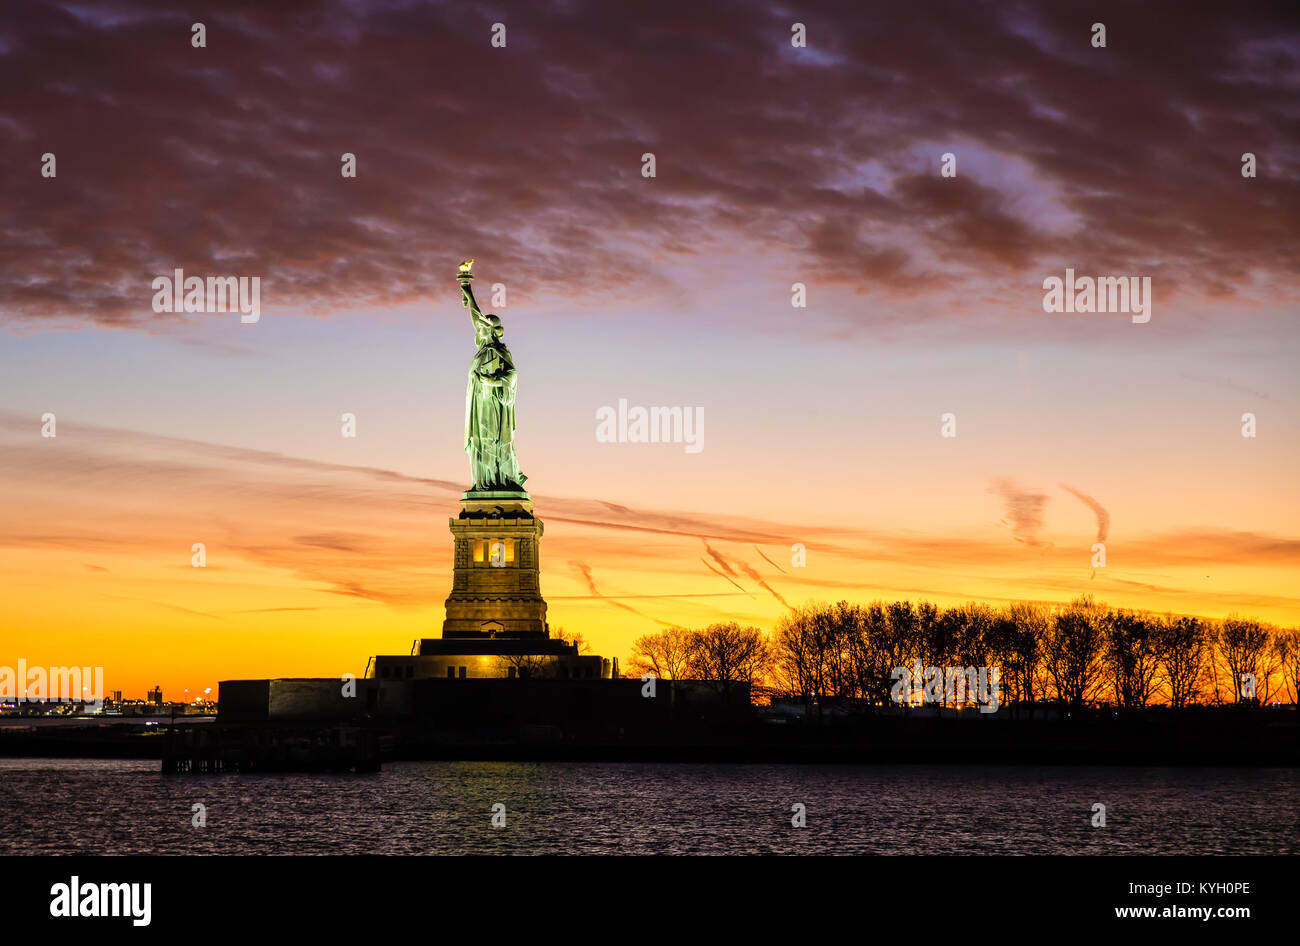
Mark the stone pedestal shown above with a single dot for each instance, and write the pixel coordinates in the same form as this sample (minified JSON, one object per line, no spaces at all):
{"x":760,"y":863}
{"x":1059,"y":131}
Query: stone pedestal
{"x":496,"y":589}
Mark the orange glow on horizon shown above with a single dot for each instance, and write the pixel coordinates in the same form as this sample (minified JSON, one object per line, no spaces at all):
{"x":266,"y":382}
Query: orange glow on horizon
{"x":311,"y":569}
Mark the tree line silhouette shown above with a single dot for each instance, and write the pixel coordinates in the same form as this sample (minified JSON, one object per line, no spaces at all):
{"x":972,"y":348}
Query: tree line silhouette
{"x":1072,"y":655}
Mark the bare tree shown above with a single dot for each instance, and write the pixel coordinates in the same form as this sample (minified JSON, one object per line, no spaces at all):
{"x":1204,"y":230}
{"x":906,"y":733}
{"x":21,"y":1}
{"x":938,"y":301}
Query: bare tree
{"x":875,"y":651}
{"x":726,"y":654}
{"x":940,"y":634}
{"x":1022,"y":633}
{"x":1244,"y":646}
{"x":535,"y":666}
{"x":665,"y":655}
{"x":796,"y":663}
{"x":575,"y":639}
{"x":935,"y":637}
{"x":1131,"y":656}
{"x":977,"y":637}
{"x":813,"y":653}
{"x":1288,"y":647}
{"x":1072,"y":652}
{"x":1076,"y":654}
{"x":1270,"y":668}
{"x":1182,"y":645}
{"x":967,"y":636}
{"x":842,"y":622}
{"x":904,"y":629}
{"x":1215,"y":676}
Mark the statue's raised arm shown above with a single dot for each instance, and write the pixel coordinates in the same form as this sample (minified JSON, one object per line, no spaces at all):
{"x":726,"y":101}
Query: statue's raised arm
{"x":465,"y":276}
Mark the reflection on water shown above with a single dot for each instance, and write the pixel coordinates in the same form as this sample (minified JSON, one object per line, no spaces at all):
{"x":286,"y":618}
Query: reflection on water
{"x":122,"y":807}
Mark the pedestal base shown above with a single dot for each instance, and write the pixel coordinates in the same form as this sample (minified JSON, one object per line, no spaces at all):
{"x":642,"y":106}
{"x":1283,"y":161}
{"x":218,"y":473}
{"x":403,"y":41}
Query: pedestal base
{"x":495,"y":590}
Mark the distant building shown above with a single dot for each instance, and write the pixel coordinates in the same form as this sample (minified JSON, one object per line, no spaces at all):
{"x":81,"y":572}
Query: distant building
{"x":155,"y":696}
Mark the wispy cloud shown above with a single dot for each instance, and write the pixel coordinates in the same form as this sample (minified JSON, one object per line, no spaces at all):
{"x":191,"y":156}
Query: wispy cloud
{"x":1219,"y":381}
{"x":1103,"y":517}
{"x":1023,"y":512}
{"x":762,"y":584}
{"x":769,"y":561}
{"x":585,"y":570}
{"x":720,"y":574}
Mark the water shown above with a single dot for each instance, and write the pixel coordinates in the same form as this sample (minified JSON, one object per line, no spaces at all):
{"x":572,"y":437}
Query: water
{"x":124,"y":807}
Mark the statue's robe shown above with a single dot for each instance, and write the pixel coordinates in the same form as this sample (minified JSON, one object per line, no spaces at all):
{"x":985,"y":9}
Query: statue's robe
{"x":490,"y":420}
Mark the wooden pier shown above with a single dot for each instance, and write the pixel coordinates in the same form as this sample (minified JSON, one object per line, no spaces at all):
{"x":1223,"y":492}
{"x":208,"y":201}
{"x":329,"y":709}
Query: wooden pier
{"x":214,"y":748}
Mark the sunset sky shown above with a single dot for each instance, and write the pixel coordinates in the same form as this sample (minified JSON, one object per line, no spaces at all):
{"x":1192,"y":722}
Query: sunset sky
{"x":774,"y":165}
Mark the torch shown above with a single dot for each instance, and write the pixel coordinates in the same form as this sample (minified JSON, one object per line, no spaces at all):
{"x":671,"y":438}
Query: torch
{"x":465,"y":276}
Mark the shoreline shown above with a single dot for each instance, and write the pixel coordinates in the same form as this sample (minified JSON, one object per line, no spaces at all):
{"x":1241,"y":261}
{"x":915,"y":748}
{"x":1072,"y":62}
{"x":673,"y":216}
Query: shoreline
{"x":1223,"y":740}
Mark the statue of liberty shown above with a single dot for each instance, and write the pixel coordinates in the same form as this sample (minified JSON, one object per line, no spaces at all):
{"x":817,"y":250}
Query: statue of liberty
{"x":489,"y":400}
